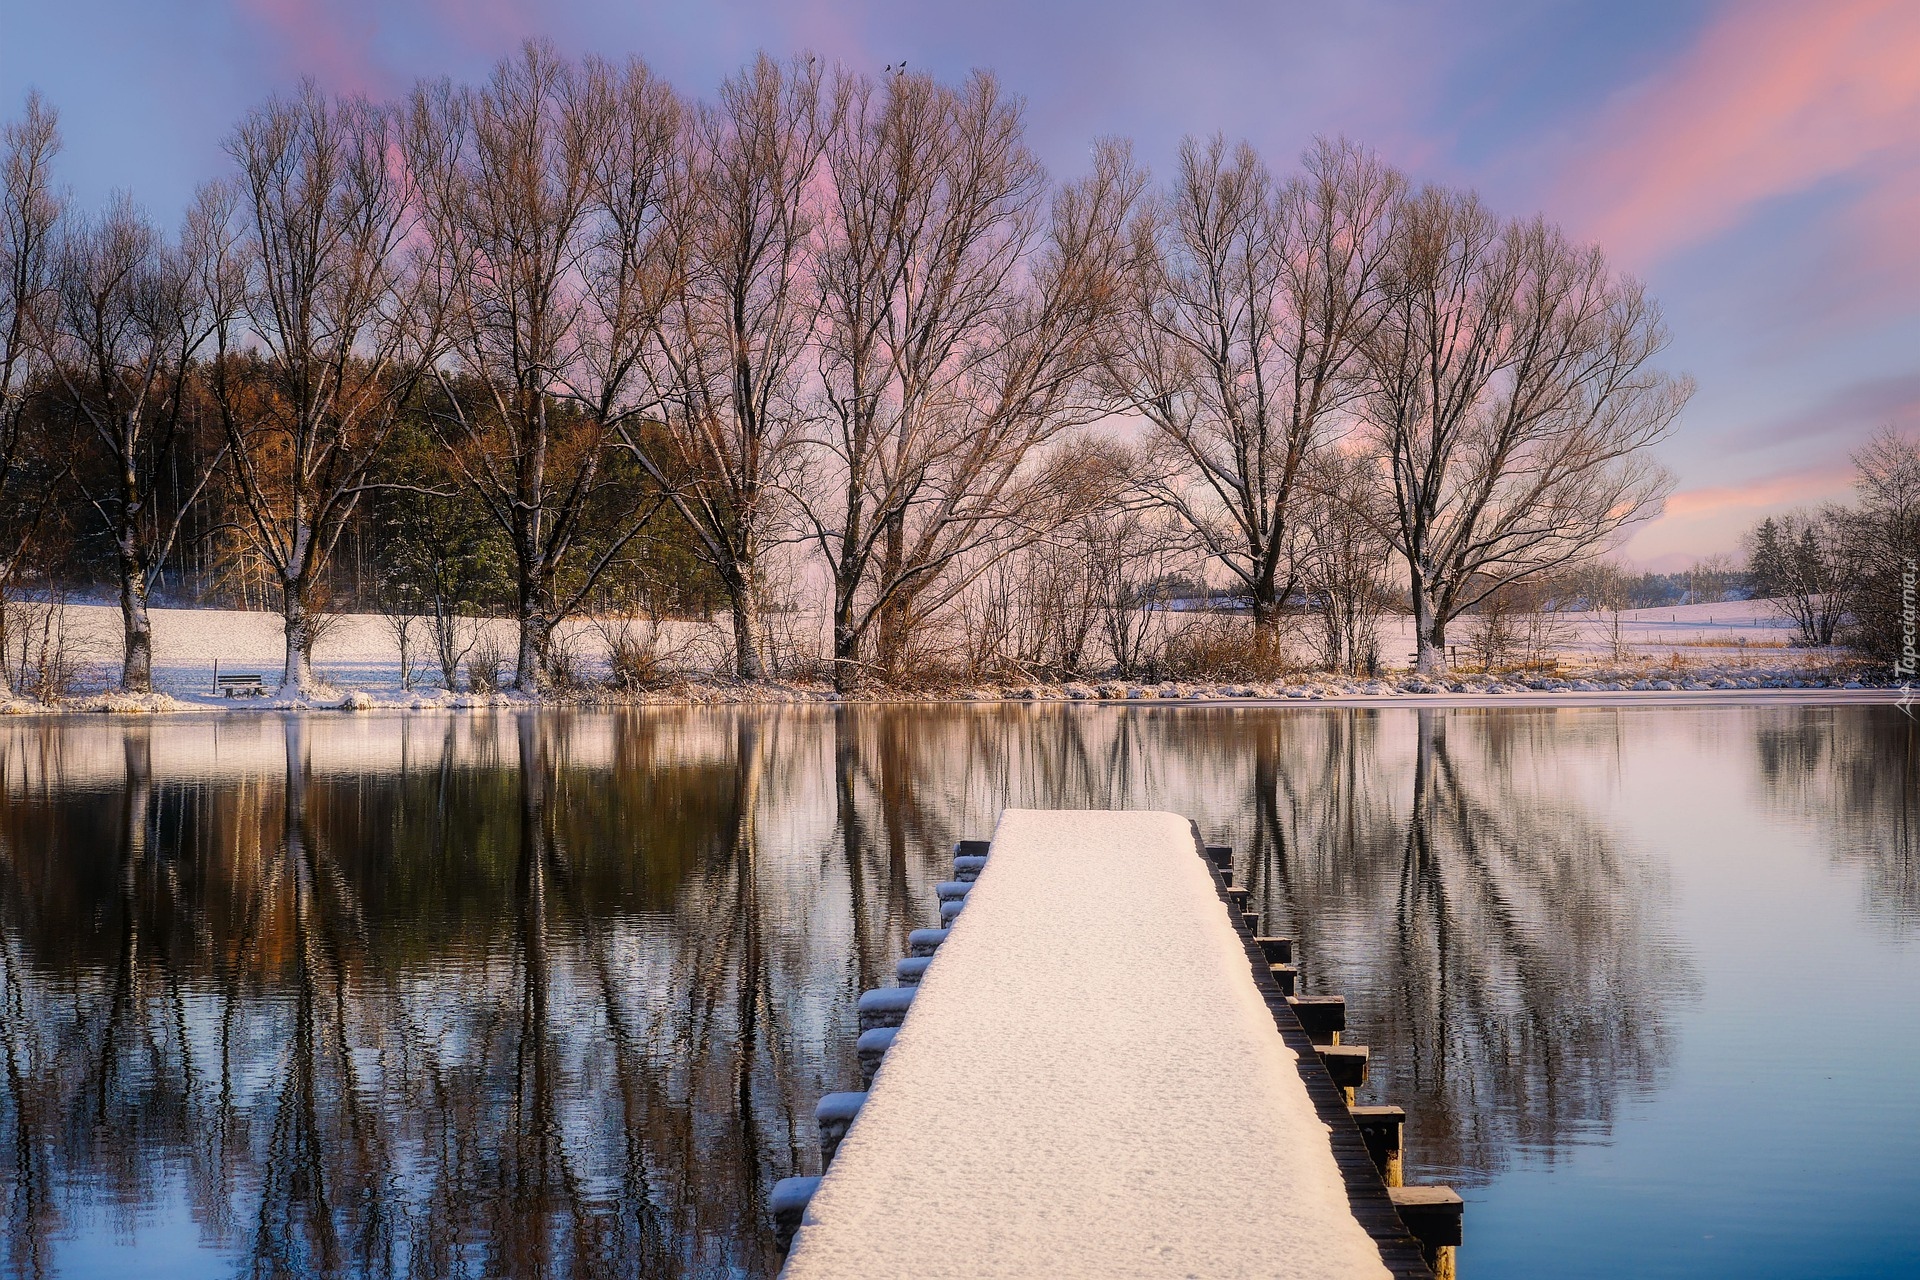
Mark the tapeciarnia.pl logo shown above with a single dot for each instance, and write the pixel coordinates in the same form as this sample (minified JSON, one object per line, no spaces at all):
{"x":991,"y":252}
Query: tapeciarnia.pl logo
{"x":1907,"y":665}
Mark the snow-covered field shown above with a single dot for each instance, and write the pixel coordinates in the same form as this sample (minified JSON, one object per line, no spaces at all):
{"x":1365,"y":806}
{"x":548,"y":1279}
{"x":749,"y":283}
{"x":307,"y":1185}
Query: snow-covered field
{"x":1705,"y":630}
{"x":1726,"y":646}
{"x":356,"y":651}
{"x":356,"y":654}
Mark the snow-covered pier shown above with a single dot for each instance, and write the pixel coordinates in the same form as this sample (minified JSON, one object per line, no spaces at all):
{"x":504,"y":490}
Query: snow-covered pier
{"x":1098,"y":1074}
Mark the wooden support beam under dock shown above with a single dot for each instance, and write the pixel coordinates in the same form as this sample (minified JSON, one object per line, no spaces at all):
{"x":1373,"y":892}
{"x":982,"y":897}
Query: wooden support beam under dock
{"x":1098,"y":1074}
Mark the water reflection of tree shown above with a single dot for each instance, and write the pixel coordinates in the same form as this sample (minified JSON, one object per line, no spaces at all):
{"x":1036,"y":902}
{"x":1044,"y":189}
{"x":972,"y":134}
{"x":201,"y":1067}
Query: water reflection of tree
{"x":1499,"y":949}
{"x":892,"y":827}
{"x":1858,"y":770}
{"x":505,"y":1012}
{"x":553,"y":995}
{"x":1491,"y":937}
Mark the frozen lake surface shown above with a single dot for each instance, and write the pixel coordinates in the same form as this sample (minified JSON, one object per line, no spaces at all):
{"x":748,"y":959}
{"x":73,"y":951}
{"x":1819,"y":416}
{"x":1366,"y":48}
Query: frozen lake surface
{"x":494,"y":994}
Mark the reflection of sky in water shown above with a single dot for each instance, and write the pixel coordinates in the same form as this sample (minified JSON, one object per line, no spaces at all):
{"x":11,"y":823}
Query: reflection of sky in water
{"x":1643,"y":977}
{"x":1773,"y":1147}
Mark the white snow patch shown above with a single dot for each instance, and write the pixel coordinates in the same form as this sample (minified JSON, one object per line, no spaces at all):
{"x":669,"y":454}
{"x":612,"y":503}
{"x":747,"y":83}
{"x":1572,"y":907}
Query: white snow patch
{"x":356,"y":666}
{"x":1089,"y":1084}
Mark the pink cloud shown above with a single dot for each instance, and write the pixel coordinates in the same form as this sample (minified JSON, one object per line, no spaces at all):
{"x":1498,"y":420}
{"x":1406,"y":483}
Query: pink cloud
{"x":1711,"y":519}
{"x":497,"y":27}
{"x":1776,"y":97}
{"x":333,"y":43}
{"x":1772,"y":493}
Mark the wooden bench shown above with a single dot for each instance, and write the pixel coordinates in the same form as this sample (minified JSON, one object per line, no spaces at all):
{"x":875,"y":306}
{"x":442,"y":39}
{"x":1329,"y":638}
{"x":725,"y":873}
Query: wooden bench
{"x":253,"y":686}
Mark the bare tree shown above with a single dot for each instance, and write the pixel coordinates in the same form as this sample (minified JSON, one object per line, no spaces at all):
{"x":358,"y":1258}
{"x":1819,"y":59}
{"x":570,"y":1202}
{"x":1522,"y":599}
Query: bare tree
{"x":1248,"y":306}
{"x":1493,"y":629}
{"x":1019,"y":480}
{"x":1511,"y":406}
{"x":1605,"y":589}
{"x":133,"y":315}
{"x":957,"y":344}
{"x":1129,"y":552}
{"x":724,"y":365}
{"x":1345,"y":563}
{"x":29,"y":212}
{"x":339,"y":340}
{"x":1802,"y":563}
{"x":954,"y":330}
{"x":543,"y":192}
{"x":1031,"y":601}
{"x":399,"y":611}
{"x":1883,"y":537}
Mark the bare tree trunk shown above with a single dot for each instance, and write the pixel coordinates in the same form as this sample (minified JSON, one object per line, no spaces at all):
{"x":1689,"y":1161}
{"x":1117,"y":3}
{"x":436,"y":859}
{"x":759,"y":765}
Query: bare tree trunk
{"x":536,"y":639}
{"x":528,"y":526}
{"x":136,"y":665}
{"x":848,"y":564}
{"x":1266,"y":610}
{"x":296,"y":623}
{"x":1429,"y":630}
{"x":891,"y":650}
{"x":743,"y":593}
{"x":846,"y":638}
{"x":1247,"y":312}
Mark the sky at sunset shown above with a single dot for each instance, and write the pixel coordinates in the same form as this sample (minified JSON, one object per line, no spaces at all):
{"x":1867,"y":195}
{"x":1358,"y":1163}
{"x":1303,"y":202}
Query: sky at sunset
{"x":1757,"y":162}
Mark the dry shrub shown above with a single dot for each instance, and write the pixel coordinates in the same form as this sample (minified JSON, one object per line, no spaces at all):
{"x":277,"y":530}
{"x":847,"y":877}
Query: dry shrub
{"x":1739,"y":643}
{"x":790,"y":638}
{"x":703,"y":646}
{"x":484,"y":663}
{"x":633,"y":663}
{"x":453,"y":637}
{"x":978,"y":649}
{"x":1224,"y":647}
{"x":1492,"y":637}
{"x":563,"y":670}
{"x":1515,"y":626}
{"x":1542,"y":634}
{"x":645,"y":652}
{"x":41,"y":660}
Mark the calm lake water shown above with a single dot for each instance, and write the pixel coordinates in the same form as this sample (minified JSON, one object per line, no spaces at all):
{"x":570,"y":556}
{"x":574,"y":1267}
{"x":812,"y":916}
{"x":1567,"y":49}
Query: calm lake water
{"x":497,"y":995}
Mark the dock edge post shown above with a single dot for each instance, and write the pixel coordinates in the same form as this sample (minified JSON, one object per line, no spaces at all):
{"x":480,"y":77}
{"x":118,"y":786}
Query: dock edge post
{"x":1434,"y":1217}
{"x":835,"y":1115}
{"x":1383,"y":1129}
{"x":788,"y":1204}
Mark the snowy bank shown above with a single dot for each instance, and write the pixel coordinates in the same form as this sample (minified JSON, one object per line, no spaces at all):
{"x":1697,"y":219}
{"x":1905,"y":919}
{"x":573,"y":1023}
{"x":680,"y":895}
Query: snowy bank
{"x":1684,"y":650}
{"x":1088,"y":1084}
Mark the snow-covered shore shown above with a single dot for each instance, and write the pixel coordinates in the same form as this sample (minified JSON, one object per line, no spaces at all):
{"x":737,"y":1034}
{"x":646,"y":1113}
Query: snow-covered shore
{"x":1693,"y":653}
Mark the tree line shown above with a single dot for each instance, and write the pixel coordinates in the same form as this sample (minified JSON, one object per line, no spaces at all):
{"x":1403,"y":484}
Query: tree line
{"x":1845,"y":572}
{"x":569,"y":338}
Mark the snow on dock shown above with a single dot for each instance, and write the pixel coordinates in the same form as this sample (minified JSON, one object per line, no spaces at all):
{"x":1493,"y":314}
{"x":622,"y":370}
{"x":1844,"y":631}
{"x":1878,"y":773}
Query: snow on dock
{"x":1088,"y":1084}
